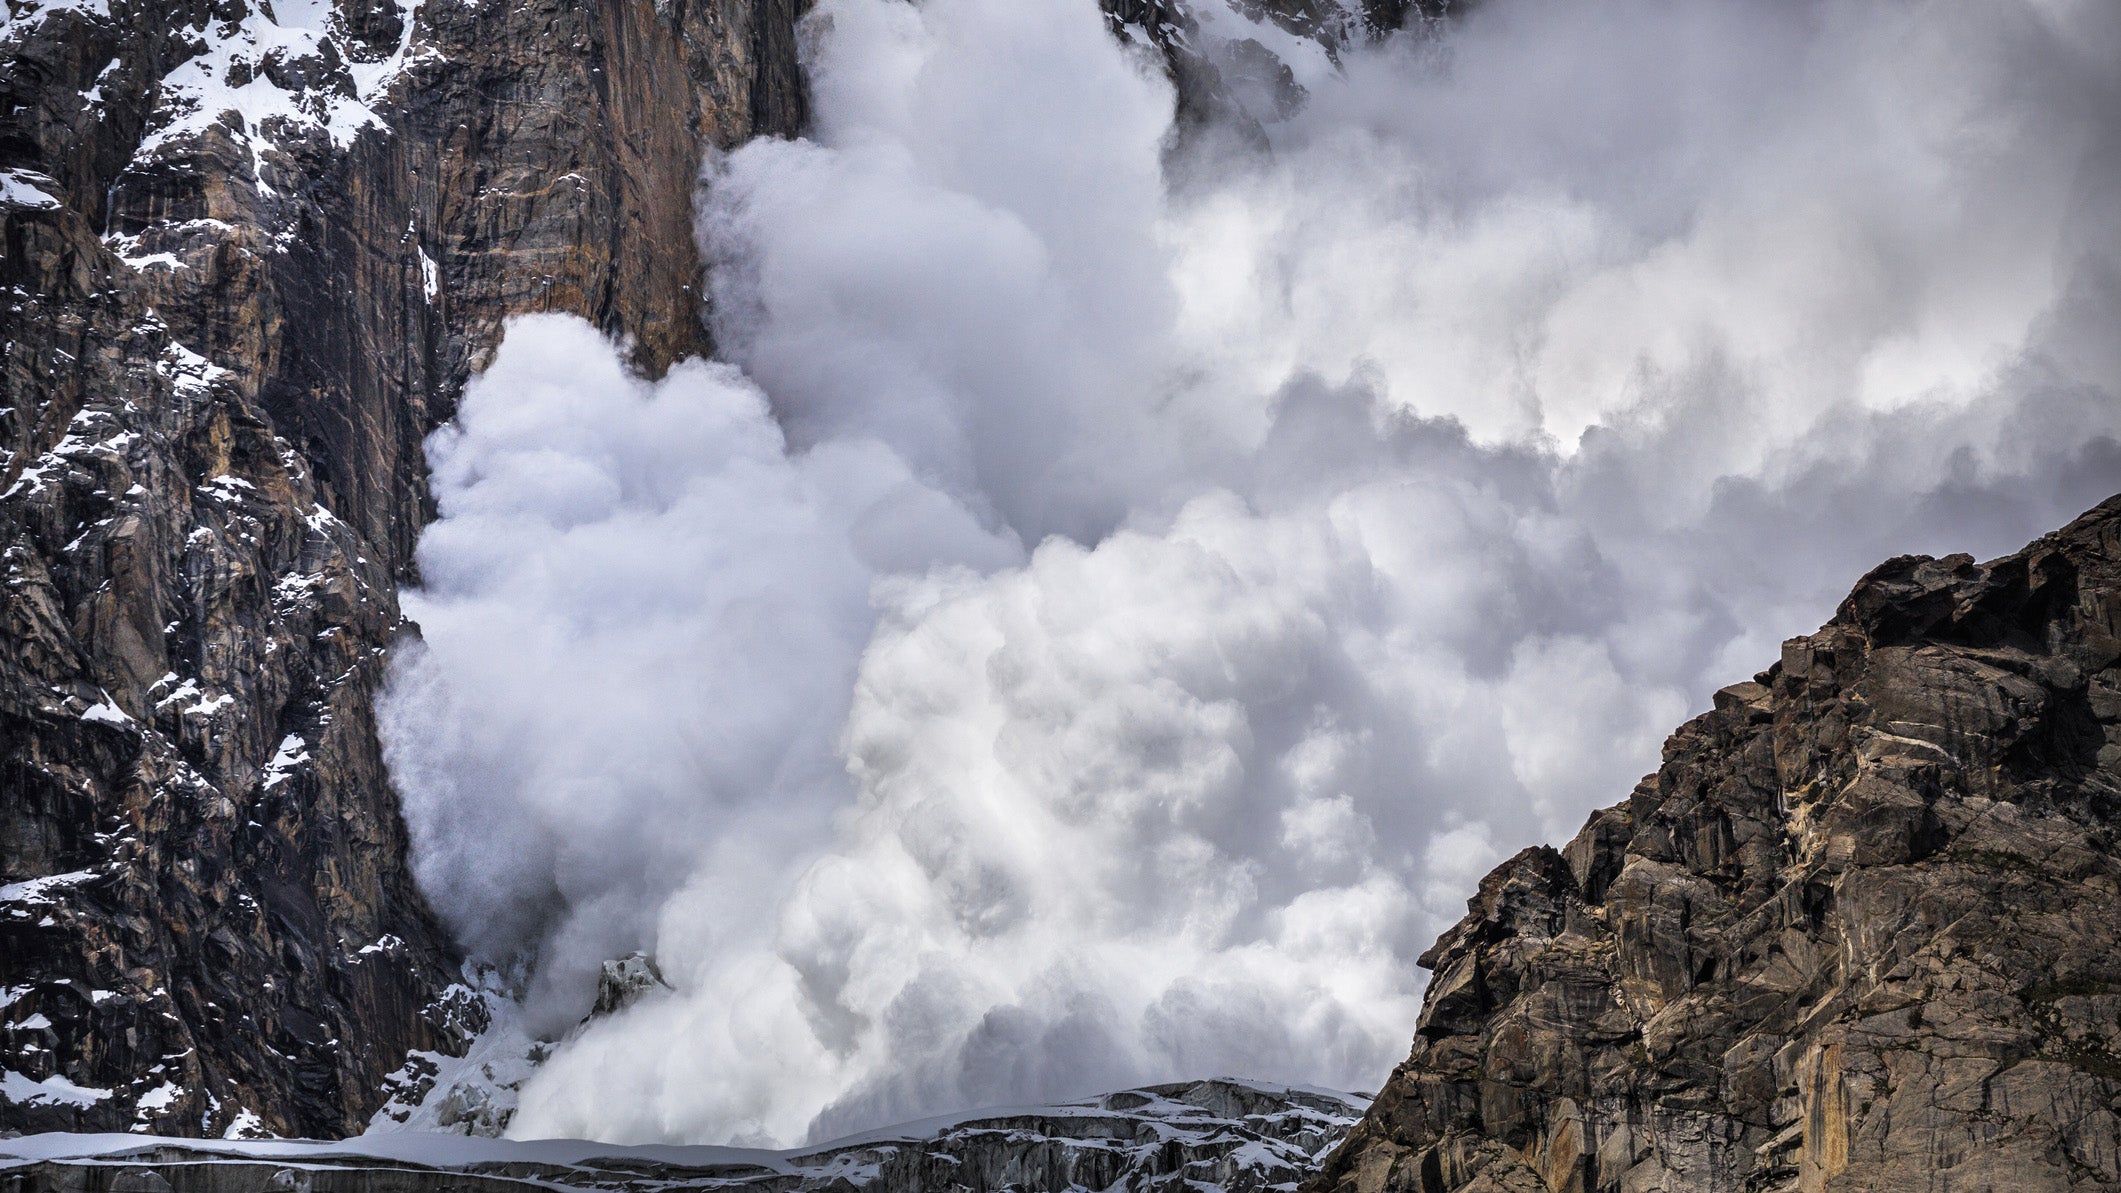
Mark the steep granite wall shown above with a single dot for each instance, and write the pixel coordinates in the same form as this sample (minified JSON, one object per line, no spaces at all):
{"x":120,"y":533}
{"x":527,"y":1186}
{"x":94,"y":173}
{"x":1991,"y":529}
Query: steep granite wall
{"x":1857,"y":933}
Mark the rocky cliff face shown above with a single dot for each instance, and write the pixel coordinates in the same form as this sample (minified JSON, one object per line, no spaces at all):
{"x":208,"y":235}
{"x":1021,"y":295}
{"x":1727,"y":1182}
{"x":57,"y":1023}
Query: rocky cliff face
{"x":1856,"y":933}
{"x":248,"y":253}
{"x":1207,"y":1135}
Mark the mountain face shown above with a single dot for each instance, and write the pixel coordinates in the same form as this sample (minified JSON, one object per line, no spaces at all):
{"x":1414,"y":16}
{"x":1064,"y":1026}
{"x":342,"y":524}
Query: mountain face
{"x":249,"y":254}
{"x":1857,"y":932}
{"x":1223,"y":1135}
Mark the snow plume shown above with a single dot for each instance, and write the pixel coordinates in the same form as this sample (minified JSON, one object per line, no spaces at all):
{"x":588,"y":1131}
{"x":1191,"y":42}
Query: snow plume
{"x":1116,"y":599}
{"x":641,"y":620}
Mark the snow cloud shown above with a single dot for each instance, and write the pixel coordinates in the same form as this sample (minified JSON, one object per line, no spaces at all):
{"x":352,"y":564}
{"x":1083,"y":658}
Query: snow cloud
{"x":1117,"y":594}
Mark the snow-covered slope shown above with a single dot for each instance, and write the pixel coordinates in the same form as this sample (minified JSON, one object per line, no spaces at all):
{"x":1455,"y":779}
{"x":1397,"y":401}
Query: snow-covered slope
{"x":1217,"y":1135}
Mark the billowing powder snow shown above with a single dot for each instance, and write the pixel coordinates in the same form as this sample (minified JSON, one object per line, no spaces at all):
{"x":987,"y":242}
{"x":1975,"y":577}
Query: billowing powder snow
{"x":1118,"y":593}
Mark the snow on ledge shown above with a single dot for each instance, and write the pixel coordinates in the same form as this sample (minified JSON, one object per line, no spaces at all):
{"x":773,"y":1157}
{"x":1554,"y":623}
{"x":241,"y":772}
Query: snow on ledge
{"x":52,"y":1091}
{"x":28,"y":188}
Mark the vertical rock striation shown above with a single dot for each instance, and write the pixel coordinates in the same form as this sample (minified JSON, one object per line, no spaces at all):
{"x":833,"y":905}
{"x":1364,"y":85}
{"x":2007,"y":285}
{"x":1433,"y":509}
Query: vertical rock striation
{"x":1857,"y":932}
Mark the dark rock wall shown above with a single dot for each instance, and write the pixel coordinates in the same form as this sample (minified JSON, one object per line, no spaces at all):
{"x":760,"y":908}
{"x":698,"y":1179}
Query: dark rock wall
{"x":1857,"y":933}
{"x":221,"y":356}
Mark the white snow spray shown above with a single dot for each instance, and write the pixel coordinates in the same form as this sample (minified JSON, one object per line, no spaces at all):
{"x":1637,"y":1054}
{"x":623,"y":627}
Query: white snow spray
{"x":1113,"y":600}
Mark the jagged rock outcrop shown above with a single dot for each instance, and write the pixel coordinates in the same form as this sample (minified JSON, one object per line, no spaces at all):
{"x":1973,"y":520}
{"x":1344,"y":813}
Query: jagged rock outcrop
{"x":1226,"y":1135}
{"x":248,"y":255}
{"x":1857,"y":933}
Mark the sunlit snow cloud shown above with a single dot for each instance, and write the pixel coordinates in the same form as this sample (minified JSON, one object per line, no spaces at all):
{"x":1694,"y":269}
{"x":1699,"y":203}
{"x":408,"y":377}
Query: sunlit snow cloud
{"x":1116,"y":599}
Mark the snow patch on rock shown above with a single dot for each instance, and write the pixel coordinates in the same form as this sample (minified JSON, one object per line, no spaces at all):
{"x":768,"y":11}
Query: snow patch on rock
{"x":50,"y":1091}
